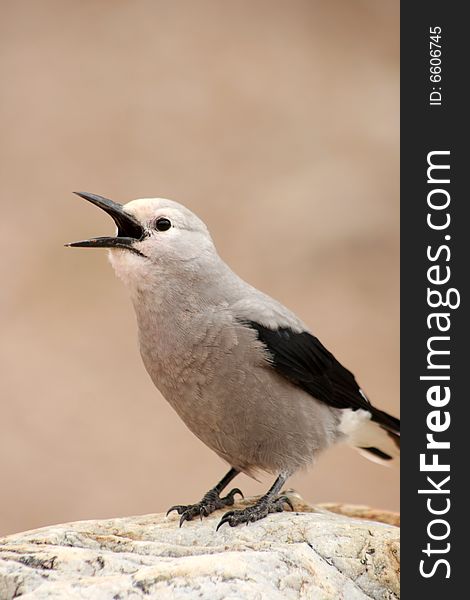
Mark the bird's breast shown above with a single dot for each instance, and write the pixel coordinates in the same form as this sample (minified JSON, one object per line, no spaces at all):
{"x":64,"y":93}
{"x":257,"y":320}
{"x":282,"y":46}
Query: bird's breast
{"x":185,"y":355}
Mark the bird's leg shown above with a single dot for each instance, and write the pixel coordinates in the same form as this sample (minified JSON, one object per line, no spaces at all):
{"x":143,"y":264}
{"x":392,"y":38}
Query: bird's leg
{"x":210,"y":501}
{"x":269,"y":503}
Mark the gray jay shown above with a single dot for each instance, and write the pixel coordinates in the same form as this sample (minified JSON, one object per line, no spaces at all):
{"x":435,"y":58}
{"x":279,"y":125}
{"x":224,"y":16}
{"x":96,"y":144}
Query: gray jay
{"x":243,"y":372}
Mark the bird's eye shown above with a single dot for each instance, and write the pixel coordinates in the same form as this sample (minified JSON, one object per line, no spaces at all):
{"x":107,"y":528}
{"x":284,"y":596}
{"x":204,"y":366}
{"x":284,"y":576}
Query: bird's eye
{"x":162,"y":224}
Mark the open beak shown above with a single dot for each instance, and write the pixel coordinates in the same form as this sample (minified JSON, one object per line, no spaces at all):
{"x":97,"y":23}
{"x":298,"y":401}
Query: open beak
{"x":129,"y":229}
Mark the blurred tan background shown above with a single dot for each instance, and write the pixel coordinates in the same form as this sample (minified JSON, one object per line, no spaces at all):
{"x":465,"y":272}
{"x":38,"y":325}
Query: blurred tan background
{"x":276,"y":122}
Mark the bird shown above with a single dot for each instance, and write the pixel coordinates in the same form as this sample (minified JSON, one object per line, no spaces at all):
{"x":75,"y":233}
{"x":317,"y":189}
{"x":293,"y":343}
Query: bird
{"x":241,"y":370}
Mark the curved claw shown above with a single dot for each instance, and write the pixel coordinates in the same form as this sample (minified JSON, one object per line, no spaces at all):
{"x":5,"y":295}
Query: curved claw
{"x":186,"y":516}
{"x":287,"y":500}
{"x":225,"y":519}
{"x":178,"y":507}
{"x":235,"y":491}
{"x":229,"y":499}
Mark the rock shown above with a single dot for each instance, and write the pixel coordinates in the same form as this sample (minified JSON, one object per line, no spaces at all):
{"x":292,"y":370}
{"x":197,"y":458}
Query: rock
{"x":364,"y":512}
{"x":310,"y":554}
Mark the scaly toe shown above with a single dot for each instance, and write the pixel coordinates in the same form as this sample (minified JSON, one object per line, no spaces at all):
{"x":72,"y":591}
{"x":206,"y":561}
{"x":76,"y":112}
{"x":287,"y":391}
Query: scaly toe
{"x":255,"y":513}
{"x":211,"y":502}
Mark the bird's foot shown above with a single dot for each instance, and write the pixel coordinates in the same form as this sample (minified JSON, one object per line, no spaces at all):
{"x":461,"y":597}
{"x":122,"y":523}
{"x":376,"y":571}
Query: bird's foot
{"x":209,"y":503}
{"x":258,"y":511}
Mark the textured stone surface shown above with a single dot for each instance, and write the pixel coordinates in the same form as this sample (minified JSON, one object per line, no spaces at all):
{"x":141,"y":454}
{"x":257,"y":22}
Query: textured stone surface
{"x":312,"y":554}
{"x":363,"y":512}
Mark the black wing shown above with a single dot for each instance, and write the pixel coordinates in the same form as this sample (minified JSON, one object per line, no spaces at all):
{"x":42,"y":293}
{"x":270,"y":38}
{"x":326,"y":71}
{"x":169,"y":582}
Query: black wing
{"x":302,"y":358}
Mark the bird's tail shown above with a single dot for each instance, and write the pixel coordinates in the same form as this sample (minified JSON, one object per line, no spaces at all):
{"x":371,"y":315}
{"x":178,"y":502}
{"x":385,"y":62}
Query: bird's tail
{"x":375,"y":434}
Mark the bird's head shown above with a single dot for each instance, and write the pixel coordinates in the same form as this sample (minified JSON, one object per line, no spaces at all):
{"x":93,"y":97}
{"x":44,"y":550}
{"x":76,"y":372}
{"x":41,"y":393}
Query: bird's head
{"x":154,"y":237}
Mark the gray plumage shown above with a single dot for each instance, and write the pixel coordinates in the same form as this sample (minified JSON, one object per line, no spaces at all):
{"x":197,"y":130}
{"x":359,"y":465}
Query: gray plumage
{"x":200,"y":334}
